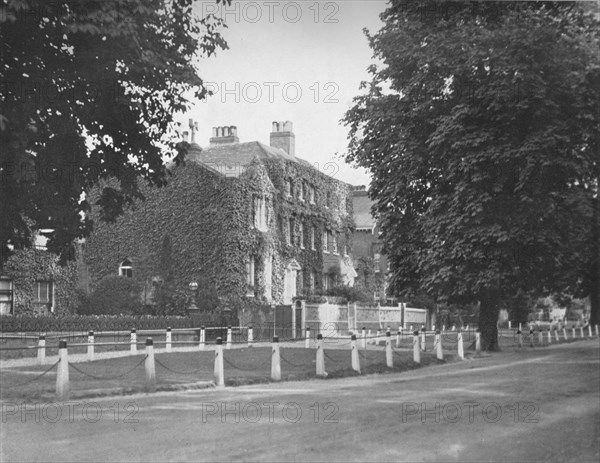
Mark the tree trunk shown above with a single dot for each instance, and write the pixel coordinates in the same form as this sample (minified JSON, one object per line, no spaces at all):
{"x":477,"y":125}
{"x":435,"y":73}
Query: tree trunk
{"x":488,"y":320}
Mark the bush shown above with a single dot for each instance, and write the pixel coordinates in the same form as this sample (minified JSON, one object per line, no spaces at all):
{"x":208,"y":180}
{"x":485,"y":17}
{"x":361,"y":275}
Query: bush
{"x":114,"y":295}
{"x":351,"y":294}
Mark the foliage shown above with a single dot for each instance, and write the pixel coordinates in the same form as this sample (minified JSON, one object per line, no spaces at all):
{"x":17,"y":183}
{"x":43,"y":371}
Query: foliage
{"x":98,"y":323}
{"x":26,"y":266}
{"x":113,"y":73}
{"x":351,"y":294}
{"x":114,"y":295}
{"x":481,"y":132}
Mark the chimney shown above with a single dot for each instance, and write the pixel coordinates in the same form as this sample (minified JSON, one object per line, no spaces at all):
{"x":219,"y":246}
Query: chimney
{"x":283,"y":137}
{"x":224,"y":135}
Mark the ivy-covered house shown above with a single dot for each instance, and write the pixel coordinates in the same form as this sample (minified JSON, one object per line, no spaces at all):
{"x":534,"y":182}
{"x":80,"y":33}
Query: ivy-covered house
{"x":246,"y":221}
{"x":33,"y":282}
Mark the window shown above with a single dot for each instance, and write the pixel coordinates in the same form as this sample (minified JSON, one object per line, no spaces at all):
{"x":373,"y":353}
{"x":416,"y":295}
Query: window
{"x":325,"y":237}
{"x":345,"y":250}
{"x":6,"y":296}
{"x":301,"y":235}
{"x":250,"y":276}
{"x":376,"y":261}
{"x":311,"y":281}
{"x":328,"y":200}
{"x":259,"y":212}
{"x":290,"y":240}
{"x":301,"y":191}
{"x":300,"y":283}
{"x":289,"y":189}
{"x":43,"y":294}
{"x":311,"y":194}
{"x":334,"y":243}
{"x":126,"y":269}
{"x":313,"y":237}
{"x":325,"y":282}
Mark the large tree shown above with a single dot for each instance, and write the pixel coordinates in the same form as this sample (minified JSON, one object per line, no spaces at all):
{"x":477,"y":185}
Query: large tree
{"x":480,"y":128}
{"x":89,"y":91}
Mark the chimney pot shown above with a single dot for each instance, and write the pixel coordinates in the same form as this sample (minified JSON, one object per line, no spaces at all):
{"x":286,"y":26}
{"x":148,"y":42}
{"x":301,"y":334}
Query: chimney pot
{"x":224,"y":135}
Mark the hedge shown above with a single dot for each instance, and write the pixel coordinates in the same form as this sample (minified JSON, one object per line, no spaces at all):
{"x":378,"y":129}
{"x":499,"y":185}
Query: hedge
{"x":44,"y":324}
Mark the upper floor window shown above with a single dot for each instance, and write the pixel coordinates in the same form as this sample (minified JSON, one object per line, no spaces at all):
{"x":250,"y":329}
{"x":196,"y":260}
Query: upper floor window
{"x":289,"y":188}
{"x":301,"y":235}
{"x":325,"y":238}
{"x":311,"y":281}
{"x":259,"y":210}
{"x":251,"y":276}
{"x":334,"y":243}
{"x":311,"y":194}
{"x":290,"y":238}
{"x":301,"y":192}
{"x":6,"y":296}
{"x":376,"y":262}
{"x":126,"y":269}
{"x":313,"y":235}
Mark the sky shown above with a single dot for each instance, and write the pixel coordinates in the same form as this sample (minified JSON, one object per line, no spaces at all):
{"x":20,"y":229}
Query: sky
{"x":298,"y":61}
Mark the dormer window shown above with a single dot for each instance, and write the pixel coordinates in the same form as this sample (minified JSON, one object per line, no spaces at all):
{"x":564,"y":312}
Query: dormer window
{"x":126,"y":269}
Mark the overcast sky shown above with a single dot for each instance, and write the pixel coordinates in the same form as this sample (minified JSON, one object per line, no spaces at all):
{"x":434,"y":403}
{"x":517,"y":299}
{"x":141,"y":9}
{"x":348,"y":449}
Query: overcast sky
{"x":299,"y":61}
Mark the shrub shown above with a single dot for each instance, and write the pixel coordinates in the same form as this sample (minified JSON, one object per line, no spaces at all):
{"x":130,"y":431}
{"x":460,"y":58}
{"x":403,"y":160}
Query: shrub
{"x":114,"y":295}
{"x":351,"y":294}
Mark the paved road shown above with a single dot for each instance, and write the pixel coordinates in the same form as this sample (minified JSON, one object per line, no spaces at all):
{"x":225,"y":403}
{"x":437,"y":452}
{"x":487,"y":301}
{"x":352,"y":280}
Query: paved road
{"x":541,"y":405}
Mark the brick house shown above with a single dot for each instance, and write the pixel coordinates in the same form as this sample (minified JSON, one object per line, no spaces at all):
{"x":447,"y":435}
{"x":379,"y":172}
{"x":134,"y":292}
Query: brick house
{"x":371,"y":264}
{"x":252,"y":221}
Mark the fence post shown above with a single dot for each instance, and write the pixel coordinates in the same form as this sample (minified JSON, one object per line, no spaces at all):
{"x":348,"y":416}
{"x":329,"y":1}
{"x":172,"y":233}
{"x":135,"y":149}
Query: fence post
{"x":556,"y":335}
{"x":320,"y":356}
{"x":549,"y":337}
{"x":133,"y":340}
{"x":149,"y":366}
{"x":520,"y":326}
{"x":453,"y":327}
{"x":416,"y":350}
{"x":509,"y":324}
{"x":219,"y":375}
{"x":41,"y":353}
{"x":531,"y":336}
{"x":398,"y":336}
{"x":573,"y":331}
{"x":250,"y":336}
{"x":90,"y":346}
{"x":389,"y":359}
{"x":520,"y":339}
{"x":376,"y":342}
{"x":354,"y":354}
{"x":275,"y":360}
{"x":307,"y":340}
{"x":62,"y":375}
{"x":228,"y":346}
{"x":581,"y":332}
{"x":540,"y":337}
{"x":168,"y":340}
{"x":461,"y":348}
{"x":202,"y":338}
{"x":423,"y":338}
{"x":478,"y":342}
{"x":564,"y":330}
{"x":443,"y":328}
{"x":438,"y":345}
{"x":590,"y":330}
{"x":364,"y":337}
{"x":596,"y":327}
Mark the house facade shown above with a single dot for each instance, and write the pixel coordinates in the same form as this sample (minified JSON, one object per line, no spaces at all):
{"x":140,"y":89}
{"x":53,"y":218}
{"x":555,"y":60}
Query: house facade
{"x":371,"y":264}
{"x":246,"y":220}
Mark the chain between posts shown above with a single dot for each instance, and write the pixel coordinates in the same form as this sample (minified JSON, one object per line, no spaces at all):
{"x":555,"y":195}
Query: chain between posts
{"x":108,"y":377}
{"x":178,"y":372}
{"x":36,"y":378}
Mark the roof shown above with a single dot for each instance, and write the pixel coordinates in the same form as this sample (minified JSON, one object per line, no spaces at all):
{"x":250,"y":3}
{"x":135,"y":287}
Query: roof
{"x":362,"y":210}
{"x":231,"y":159}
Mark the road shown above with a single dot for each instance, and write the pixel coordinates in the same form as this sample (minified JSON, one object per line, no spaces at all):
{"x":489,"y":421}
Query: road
{"x":537,"y":405}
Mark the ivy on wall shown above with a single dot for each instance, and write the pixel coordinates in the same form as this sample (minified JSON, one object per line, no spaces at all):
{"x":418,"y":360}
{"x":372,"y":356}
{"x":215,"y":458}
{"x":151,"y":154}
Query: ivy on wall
{"x":27,"y":266}
{"x":207,"y":220}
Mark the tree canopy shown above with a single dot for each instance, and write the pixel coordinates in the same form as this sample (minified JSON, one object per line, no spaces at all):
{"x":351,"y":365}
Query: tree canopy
{"x":480,"y":129}
{"x":89,"y":91}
